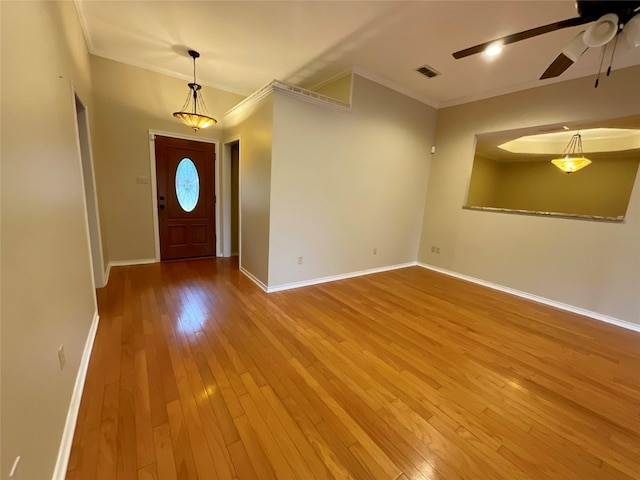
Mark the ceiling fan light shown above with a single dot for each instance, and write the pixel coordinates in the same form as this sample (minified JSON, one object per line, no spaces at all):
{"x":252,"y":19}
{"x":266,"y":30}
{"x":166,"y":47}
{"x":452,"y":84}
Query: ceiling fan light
{"x":493,"y":50}
{"x":601,"y":31}
{"x":631,"y":31}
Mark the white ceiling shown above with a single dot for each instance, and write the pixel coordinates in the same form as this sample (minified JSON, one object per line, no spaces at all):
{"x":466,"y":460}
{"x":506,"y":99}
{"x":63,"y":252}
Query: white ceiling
{"x":244,"y":45}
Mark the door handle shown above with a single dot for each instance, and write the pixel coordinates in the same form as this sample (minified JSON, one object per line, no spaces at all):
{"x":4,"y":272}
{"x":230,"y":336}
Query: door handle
{"x":161,"y":198}
{"x":161,"y":206}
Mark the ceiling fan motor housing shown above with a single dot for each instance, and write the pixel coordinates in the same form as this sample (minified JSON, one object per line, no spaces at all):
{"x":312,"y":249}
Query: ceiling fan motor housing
{"x":591,"y":10}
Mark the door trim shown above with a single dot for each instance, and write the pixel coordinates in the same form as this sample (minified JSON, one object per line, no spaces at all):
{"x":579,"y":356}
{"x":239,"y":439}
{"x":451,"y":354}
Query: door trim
{"x":154,"y":185}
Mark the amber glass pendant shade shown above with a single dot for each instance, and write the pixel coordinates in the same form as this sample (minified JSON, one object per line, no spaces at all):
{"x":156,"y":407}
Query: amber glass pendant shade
{"x":571,"y":164}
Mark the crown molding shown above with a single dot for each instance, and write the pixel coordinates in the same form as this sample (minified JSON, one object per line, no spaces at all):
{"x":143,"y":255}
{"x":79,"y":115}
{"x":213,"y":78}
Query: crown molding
{"x":291,"y":90}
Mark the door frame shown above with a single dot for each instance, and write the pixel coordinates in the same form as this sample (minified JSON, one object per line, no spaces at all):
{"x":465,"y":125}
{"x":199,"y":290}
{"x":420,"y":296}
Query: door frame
{"x":89,"y":189}
{"x":154,"y":183}
{"x":226,"y":195}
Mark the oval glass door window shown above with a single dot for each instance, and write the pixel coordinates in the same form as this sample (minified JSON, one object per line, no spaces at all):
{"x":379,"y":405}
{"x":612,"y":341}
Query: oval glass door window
{"x":187,"y":184}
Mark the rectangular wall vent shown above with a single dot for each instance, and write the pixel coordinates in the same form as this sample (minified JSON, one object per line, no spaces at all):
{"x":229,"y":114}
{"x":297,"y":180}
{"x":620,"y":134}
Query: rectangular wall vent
{"x":427,"y":71}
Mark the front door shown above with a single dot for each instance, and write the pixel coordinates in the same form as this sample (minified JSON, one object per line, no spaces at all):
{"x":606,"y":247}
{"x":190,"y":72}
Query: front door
{"x":186,"y":199}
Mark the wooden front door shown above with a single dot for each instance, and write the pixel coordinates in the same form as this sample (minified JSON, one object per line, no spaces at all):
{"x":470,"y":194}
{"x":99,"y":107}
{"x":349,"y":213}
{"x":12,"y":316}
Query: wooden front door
{"x":186,"y":197}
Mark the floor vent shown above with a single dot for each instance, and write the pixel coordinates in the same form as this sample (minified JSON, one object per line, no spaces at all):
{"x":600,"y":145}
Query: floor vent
{"x":427,"y":71}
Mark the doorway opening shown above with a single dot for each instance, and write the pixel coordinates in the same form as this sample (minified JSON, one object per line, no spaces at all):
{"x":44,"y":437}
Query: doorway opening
{"x":232,"y":225}
{"x":90,"y":194}
{"x":235,"y":199}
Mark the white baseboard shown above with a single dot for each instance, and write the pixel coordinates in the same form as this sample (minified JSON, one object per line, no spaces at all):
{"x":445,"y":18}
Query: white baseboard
{"x":60,"y":470}
{"x":254,"y":279}
{"x":333,"y":278}
{"x":536,"y":298}
{"x":125,"y":263}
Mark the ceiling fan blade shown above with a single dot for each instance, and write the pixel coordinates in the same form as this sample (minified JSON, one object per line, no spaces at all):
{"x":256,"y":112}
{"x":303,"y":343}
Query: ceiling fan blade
{"x":557,"y":67}
{"x":517,"y":37}
{"x":569,"y":55}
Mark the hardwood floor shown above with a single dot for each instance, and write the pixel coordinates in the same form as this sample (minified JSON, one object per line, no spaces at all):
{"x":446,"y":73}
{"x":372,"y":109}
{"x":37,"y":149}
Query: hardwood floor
{"x":408,"y":374}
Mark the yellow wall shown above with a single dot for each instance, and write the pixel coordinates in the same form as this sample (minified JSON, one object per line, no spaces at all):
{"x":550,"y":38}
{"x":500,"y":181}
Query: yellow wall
{"x":339,"y":88}
{"x":602,"y":189}
{"x":47,"y":292}
{"x":129,"y":101}
{"x":587,"y":264}
{"x":484,"y":183}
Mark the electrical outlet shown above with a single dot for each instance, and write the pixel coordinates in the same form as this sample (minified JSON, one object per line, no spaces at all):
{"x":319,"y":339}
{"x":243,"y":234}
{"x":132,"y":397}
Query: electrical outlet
{"x":375,"y":250}
{"x":61,"y":358}
{"x":142,"y":179}
{"x":435,"y":250}
{"x":300,"y":260}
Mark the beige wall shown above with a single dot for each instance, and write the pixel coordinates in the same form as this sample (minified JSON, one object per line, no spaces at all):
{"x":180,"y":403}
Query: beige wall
{"x":316,"y":183}
{"x":47,"y":294}
{"x":254,"y":128}
{"x":346,"y":183}
{"x":591,"y":265}
{"x":129,"y":101}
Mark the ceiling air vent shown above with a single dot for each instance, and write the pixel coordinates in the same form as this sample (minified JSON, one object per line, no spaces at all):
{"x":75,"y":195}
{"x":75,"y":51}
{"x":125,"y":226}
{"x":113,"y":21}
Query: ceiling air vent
{"x":427,"y":71}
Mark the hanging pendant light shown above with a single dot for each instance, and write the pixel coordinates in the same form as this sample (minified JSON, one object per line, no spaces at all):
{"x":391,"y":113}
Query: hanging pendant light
{"x":573,"y":158}
{"x":194,"y":119}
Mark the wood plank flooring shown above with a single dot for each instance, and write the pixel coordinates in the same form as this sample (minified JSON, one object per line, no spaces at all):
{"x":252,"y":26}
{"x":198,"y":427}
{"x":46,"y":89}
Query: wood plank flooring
{"x":407,"y":374}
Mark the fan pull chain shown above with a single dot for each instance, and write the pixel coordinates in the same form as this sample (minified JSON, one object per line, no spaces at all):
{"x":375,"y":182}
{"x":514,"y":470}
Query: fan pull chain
{"x":604,"y":49}
{"x":615,"y":44}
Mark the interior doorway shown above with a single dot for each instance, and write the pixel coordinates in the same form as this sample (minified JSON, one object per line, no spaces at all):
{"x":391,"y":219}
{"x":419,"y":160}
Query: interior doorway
{"x":231,"y":197}
{"x":90,"y":194}
{"x":235,"y":199}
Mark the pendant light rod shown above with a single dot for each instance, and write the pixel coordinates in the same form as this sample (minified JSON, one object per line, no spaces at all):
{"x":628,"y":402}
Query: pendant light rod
{"x":194,"y":119}
{"x":194,"y":86}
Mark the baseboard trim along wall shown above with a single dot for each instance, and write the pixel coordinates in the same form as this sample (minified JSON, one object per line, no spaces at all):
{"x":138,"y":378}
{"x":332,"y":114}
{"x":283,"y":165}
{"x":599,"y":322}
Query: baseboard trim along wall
{"x":536,"y":298}
{"x":333,"y":278}
{"x":125,"y":263}
{"x":254,"y":279}
{"x":64,"y":451}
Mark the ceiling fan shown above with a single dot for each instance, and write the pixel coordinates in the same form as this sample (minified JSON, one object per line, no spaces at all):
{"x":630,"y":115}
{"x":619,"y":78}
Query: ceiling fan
{"x":609,"y":19}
